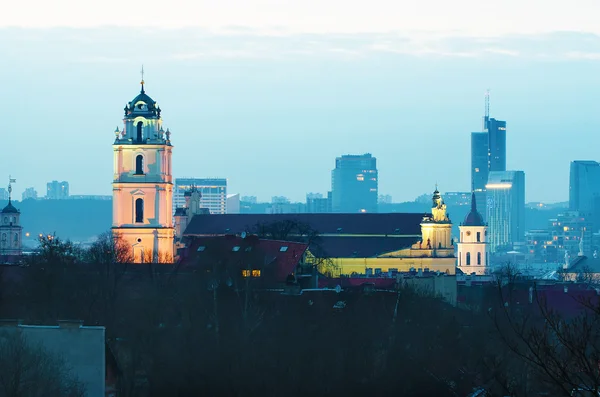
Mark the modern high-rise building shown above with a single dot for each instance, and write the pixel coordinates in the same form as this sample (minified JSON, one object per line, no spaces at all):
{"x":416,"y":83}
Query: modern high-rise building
{"x":571,"y":234}
{"x":505,"y":193}
{"x":56,"y":190}
{"x":213,"y":193}
{"x":354,"y":184}
{"x":488,"y":152}
{"x":30,"y":193}
{"x":496,"y":131}
{"x":584,"y":190}
{"x":316,"y":203}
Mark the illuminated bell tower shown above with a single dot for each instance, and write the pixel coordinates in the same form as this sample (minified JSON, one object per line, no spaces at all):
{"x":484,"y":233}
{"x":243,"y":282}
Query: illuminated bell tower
{"x":436,"y":230}
{"x":473,"y":249}
{"x":143,"y":182}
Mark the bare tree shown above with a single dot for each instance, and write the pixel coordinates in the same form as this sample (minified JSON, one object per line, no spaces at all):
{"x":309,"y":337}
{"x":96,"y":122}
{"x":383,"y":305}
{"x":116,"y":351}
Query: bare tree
{"x":28,"y":370}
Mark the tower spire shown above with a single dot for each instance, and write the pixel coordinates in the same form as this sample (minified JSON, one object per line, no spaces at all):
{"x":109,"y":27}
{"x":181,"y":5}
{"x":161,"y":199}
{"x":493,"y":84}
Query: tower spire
{"x":487,"y":104}
{"x":10,"y":182}
{"x":142,"y":83}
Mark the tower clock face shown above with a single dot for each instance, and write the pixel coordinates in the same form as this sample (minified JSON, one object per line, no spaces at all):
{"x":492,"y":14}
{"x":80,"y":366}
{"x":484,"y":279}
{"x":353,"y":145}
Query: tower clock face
{"x":468,"y":233}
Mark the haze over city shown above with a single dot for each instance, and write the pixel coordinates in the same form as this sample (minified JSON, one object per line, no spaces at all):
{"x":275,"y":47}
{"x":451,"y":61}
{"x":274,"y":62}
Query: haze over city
{"x":268,"y":94}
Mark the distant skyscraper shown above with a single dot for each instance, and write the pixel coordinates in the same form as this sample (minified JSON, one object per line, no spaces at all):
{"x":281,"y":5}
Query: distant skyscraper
{"x":354,"y":184}
{"x":3,"y":194}
{"x":496,"y":130}
{"x":316,"y":203}
{"x":233,"y":203}
{"x":213,"y":193}
{"x":488,"y":152}
{"x":56,"y":190}
{"x":506,"y":207}
{"x":29,"y":193}
{"x":584,"y":190}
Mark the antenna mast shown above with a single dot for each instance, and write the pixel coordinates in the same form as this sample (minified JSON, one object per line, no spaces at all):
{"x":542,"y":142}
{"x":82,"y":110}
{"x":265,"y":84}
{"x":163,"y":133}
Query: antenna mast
{"x":486,"y":116}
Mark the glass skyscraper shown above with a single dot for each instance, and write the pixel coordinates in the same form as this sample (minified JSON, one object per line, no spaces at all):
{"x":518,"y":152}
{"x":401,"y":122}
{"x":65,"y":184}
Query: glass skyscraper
{"x":505,"y":193}
{"x":354,"y":184}
{"x":584,"y":190}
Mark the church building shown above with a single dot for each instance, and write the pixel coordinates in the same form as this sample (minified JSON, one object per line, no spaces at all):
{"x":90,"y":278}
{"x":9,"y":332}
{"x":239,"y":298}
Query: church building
{"x":143,"y":182}
{"x":473,"y":248}
{"x":11,"y":231}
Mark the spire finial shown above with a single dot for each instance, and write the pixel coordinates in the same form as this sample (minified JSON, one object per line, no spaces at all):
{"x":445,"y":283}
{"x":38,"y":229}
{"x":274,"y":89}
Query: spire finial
{"x":142,"y":83}
{"x":10,"y":182}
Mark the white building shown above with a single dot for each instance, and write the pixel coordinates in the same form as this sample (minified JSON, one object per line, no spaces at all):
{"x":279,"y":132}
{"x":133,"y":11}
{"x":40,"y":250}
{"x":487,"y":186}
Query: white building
{"x":143,"y":182}
{"x":473,"y":248}
{"x":213,"y":193}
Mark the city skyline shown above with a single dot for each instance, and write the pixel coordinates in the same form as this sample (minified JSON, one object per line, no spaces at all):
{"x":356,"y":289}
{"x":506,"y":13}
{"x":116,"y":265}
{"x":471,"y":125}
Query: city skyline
{"x":242,"y":104}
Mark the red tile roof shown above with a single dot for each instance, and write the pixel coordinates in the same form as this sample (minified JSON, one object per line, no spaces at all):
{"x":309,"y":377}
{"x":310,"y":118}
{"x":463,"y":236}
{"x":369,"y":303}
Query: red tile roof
{"x":282,"y":256}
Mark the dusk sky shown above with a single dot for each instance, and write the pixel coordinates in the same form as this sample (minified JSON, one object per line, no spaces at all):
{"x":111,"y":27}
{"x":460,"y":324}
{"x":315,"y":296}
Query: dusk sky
{"x":268,"y":93}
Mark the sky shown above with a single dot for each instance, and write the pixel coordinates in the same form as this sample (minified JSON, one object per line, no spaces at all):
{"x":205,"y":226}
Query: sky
{"x":268,"y":93}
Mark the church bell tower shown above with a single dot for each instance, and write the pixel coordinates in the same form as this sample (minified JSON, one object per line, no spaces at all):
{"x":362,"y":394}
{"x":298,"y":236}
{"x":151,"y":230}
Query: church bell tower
{"x":473,"y":249}
{"x":143,"y":182}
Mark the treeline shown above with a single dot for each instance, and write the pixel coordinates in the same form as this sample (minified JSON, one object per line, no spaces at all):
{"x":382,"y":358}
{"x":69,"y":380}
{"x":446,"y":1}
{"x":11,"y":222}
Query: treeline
{"x":188,"y":331}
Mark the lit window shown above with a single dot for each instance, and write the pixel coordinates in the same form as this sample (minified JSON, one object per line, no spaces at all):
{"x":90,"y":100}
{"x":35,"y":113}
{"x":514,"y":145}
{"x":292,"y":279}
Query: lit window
{"x":256,"y":273}
{"x":476,"y":169}
{"x":360,"y":177}
{"x":236,"y":248}
{"x":201,"y":248}
{"x":245,"y":273}
{"x":283,"y":249}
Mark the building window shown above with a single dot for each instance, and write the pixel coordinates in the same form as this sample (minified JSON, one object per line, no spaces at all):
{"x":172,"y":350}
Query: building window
{"x":139,"y":131}
{"x":283,"y":249}
{"x":468,"y":259}
{"x":139,"y":210}
{"x":236,"y":248}
{"x":245,"y":273}
{"x":139,"y":165}
{"x":479,"y":258}
{"x":201,"y":248}
{"x":256,"y":273}
{"x":478,"y":237}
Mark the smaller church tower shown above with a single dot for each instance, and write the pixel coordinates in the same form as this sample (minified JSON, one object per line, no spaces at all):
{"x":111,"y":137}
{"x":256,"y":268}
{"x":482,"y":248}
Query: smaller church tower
{"x":473,"y":249}
{"x":11,"y":230}
{"x":436,"y":230}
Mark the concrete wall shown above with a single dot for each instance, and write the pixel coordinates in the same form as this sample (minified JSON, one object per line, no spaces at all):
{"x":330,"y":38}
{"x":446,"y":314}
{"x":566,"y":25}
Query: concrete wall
{"x":81,"y":348}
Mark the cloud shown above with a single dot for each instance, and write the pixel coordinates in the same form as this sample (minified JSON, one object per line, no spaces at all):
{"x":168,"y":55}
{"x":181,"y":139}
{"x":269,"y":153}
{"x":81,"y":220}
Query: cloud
{"x":112,"y":45}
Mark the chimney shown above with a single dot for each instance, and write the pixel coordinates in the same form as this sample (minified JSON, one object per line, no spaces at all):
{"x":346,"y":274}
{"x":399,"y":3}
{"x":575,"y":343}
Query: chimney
{"x":70,"y":323}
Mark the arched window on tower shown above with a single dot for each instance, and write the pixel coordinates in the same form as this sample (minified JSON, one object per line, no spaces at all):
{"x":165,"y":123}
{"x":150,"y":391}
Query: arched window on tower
{"x":478,"y":237}
{"x":479,"y":258}
{"x":468,"y":259}
{"x":139,"y":210}
{"x":139,"y":165}
{"x":16,"y":239}
{"x":139,"y":131}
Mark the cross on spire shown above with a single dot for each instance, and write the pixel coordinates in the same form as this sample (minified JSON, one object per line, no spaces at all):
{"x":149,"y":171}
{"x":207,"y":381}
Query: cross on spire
{"x":10,"y":182}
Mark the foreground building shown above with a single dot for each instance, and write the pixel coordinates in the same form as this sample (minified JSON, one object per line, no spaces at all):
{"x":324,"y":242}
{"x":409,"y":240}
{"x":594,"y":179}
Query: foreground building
{"x":143,"y":182}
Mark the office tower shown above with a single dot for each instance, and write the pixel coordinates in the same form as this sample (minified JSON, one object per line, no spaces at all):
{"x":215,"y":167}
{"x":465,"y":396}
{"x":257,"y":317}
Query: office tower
{"x":213,"y":193}
{"x":505,"y":193}
{"x":488,"y":152}
{"x":316,"y":203}
{"x":30,"y":193}
{"x":496,"y":131}
{"x":3,"y":194}
{"x":584,"y":190}
{"x":56,"y":190}
{"x":354,"y":184}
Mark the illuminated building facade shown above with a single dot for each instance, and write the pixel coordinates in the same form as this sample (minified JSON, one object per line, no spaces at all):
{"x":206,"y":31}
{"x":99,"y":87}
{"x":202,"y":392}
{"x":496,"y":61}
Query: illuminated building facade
{"x":142,"y":182}
{"x":56,"y":190}
{"x":571,"y":234}
{"x":473,"y":248}
{"x":354,"y":184}
{"x":213,"y":192}
{"x":505,"y":193}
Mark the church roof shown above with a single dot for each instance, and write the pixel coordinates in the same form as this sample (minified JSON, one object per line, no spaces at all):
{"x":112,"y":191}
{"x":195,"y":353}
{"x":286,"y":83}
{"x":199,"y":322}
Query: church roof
{"x":473,"y":218}
{"x":10,"y":209}
{"x":393,"y":224}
